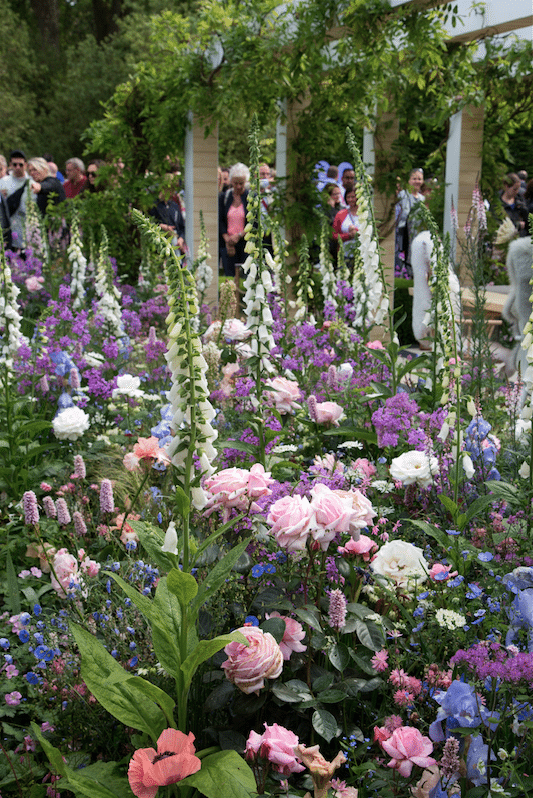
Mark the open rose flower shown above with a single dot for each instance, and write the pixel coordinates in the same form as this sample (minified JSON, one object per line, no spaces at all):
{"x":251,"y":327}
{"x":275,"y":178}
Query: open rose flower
{"x":291,"y":519}
{"x":237,"y":488}
{"x":128,"y":385}
{"x":276,"y":745}
{"x":65,"y":577}
{"x":408,"y":747}
{"x":174,"y":760}
{"x":34,"y":283}
{"x":329,"y":413}
{"x":364,"y":512}
{"x":249,"y":666}
{"x":414,"y":467}
{"x":293,"y":635}
{"x":70,"y":424}
{"x":285,"y":393}
{"x":334,"y":513}
{"x":401,"y":562}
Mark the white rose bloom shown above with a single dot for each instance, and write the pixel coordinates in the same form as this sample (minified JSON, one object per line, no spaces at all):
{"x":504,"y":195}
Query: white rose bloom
{"x":401,"y":562}
{"x":414,"y":468}
{"x":127,"y":385}
{"x":70,"y":424}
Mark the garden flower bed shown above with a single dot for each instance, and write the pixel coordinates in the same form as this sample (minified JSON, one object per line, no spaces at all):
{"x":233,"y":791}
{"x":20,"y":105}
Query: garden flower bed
{"x":259,"y":555}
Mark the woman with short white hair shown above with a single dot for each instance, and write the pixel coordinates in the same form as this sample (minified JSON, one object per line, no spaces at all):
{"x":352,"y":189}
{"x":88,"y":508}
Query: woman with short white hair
{"x":45,"y":187}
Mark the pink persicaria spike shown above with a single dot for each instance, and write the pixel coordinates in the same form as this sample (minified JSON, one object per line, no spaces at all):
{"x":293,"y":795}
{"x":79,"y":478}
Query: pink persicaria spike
{"x":107,"y":502}
{"x":31,"y":510}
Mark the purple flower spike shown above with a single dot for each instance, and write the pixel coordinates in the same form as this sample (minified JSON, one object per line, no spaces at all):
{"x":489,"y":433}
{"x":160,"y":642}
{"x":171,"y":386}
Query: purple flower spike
{"x":107,"y":502}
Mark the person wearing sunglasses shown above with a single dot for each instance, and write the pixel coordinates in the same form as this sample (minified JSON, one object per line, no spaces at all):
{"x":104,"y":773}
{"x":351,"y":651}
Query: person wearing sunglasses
{"x":12,"y":187}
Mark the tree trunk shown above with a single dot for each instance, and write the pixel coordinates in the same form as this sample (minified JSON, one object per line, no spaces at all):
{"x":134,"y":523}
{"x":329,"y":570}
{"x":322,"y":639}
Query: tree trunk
{"x":47,"y":16}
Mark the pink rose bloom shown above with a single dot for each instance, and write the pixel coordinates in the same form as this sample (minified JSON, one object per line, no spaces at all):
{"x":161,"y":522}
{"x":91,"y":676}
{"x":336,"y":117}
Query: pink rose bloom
{"x":65,"y":574}
{"x":363,"y":547}
{"x":276,"y":745}
{"x":237,"y":487}
{"x":229,"y":370}
{"x":329,"y":413}
{"x":291,"y":519}
{"x":235,"y":330}
{"x":285,"y":393}
{"x":294,"y":633}
{"x":408,"y":747}
{"x":90,"y":567}
{"x":34,"y":283}
{"x":440,"y":572}
{"x":131,"y":461}
{"x":249,"y":666}
{"x":364,"y":466}
{"x":334,"y":513}
{"x":375,"y":345}
{"x":14,"y":698}
{"x":363,"y":507}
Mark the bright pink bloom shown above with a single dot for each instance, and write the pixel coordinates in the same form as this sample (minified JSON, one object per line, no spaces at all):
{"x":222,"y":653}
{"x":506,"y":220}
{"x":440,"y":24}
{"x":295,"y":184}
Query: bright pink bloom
{"x":408,"y":747}
{"x":291,"y":519}
{"x":363,"y":547}
{"x":276,"y":745}
{"x":249,"y":666}
{"x":329,"y":413}
{"x":65,"y":575}
{"x":292,"y":637}
{"x":34,"y":283}
{"x":403,"y":698}
{"x":174,"y":760}
{"x":379,"y":660}
{"x":375,"y":345}
{"x":381,"y":733}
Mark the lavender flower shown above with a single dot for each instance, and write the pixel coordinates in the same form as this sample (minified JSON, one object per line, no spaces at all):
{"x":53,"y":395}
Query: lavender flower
{"x":337,"y":609}
{"x":107,"y":502}
{"x":449,"y":764}
{"x":31,"y":511}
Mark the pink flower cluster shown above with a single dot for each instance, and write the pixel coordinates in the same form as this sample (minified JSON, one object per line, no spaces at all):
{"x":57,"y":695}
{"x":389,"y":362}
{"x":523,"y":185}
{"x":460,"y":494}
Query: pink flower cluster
{"x":363,"y":547}
{"x":294,"y":518}
{"x":409,"y":687}
{"x":249,"y":666}
{"x":440,"y":573}
{"x":237,"y":488}
{"x":276,"y":745}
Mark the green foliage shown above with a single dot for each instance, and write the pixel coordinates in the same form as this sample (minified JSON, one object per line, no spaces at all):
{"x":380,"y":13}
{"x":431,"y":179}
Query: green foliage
{"x":17,"y":74}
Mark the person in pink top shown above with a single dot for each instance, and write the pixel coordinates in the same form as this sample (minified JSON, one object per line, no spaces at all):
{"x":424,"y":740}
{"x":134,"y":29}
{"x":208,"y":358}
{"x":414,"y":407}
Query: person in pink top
{"x":232,"y":207}
{"x":346,"y":225}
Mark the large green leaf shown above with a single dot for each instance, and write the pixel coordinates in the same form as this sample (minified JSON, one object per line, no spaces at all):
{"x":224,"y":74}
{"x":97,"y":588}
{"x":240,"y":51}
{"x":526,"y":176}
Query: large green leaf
{"x":324,"y":724}
{"x":182,"y":585}
{"x":223,"y":775}
{"x":152,"y":539}
{"x":164,"y":616}
{"x":217,"y":576}
{"x":339,"y":656}
{"x":114,"y":688}
{"x":370,"y":635}
{"x":155,"y":693}
{"x":309,"y":617}
{"x":205,"y":544}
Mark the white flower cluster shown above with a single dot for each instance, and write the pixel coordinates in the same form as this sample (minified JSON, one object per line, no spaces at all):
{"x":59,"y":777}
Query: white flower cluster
{"x":78,"y":263}
{"x":203,"y":273}
{"x":36,"y":235}
{"x":192,"y":412}
{"x":448,"y":619}
{"x":10,"y":318}
{"x":377,"y":298}
{"x":108,"y":294}
{"x":277,"y":263}
{"x":414,"y":468}
{"x":258,"y":285}
{"x":325,"y":265}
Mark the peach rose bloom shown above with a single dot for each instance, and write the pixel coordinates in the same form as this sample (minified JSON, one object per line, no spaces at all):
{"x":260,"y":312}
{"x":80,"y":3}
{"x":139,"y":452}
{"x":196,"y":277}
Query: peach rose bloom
{"x":248,"y":666}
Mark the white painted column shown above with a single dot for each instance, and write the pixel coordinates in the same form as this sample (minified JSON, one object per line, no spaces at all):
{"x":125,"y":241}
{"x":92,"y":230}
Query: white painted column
{"x":453,"y":171}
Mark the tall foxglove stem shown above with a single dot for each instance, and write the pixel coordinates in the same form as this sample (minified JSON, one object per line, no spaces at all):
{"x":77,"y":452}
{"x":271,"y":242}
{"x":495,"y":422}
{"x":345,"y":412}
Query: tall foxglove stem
{"x":325,"y":264}
{"x":108,"y":294}
{"x":78,"y":261}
